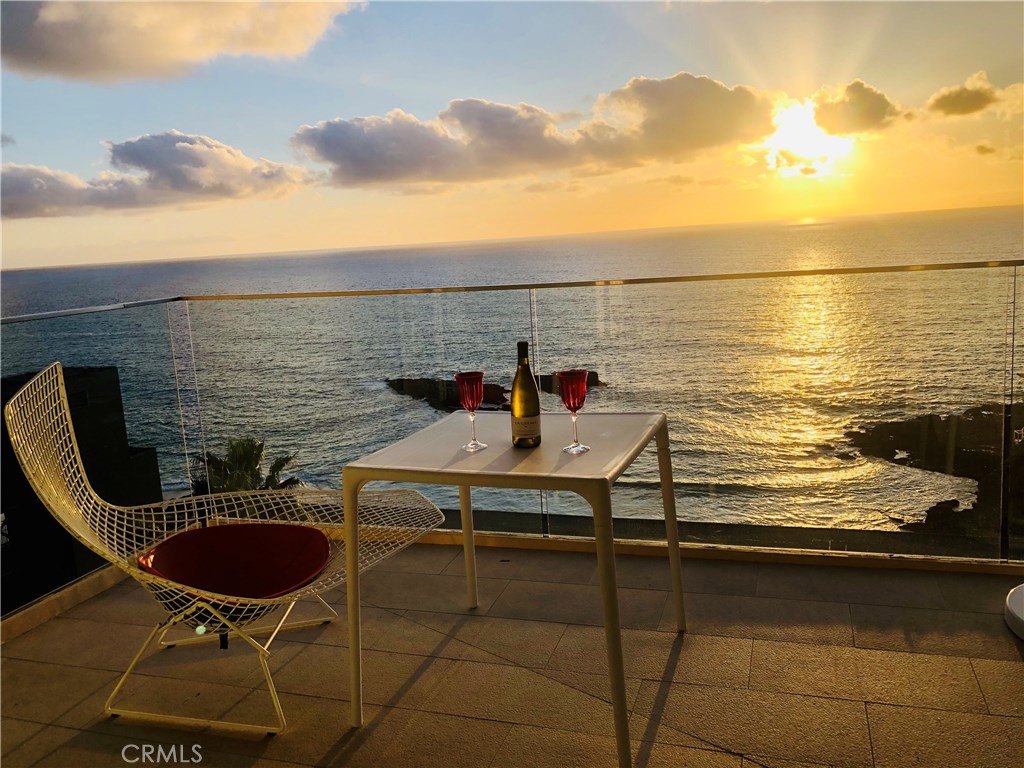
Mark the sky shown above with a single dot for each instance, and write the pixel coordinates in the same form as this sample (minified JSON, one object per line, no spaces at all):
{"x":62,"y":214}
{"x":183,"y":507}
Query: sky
{"x":140,"y":131}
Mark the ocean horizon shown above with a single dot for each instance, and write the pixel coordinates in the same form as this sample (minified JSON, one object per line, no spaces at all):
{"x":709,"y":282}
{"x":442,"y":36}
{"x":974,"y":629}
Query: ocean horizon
{"x":761,"y":379}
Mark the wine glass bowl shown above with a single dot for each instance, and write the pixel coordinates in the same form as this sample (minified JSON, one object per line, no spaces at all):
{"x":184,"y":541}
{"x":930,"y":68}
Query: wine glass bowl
{"x":573,"y":387}
{"x":471,"y":393}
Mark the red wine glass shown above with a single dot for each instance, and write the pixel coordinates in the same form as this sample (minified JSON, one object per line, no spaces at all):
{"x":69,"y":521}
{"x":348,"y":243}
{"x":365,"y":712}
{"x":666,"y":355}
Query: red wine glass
{"x":573,"y":385}
{"x":471,"y":394}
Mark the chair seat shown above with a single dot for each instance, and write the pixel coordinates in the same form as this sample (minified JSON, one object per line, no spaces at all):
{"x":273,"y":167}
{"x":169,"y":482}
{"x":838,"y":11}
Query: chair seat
{"x":253,"y":560}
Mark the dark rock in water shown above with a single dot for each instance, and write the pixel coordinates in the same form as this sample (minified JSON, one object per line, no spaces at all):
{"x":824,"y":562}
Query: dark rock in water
{"x":443,"y":394}
{"x":967,"y":444}
{"x":549,"y":382}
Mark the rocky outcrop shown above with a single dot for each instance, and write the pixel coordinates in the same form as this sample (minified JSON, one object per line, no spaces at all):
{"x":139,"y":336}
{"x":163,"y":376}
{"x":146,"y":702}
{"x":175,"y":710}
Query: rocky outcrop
{"x":444,"y":395}
{"x":968,"y":444}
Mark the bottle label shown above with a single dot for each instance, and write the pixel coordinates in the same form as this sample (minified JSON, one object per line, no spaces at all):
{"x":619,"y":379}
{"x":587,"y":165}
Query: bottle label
{"x":526,"y":426}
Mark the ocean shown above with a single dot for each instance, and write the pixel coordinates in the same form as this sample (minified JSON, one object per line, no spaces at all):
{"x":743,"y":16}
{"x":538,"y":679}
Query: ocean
{"x":760,"y":379}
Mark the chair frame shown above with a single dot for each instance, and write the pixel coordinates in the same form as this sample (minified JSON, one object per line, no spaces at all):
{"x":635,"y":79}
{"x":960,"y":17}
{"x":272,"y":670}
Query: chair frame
{"x":42,"y":435}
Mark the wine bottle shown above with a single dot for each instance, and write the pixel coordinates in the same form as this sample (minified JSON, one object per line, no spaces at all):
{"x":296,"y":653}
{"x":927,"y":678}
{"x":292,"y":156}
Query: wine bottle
{"x":525,"y":403}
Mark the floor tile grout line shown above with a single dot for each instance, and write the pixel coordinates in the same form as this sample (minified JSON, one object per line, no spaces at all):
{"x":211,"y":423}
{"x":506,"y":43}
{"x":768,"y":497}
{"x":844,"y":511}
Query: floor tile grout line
{"x":554,"y":649}
{"x":536,"y":671}
{"x":712,"y":747}
{"x":750,"y":662}
{"x":501,"y":746}
{"x":871,"y":741}
{"x":981,"y":688}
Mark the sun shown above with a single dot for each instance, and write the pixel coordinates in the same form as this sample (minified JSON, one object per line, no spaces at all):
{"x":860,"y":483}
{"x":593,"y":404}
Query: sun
{"x":799,"y":146}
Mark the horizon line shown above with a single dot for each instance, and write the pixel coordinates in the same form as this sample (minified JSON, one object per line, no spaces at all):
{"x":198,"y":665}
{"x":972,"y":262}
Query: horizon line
{"x":793,"y":222}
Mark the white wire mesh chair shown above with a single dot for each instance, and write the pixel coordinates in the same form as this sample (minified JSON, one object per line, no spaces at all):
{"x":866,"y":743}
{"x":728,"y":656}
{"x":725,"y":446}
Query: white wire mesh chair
{"x":43,"y":438}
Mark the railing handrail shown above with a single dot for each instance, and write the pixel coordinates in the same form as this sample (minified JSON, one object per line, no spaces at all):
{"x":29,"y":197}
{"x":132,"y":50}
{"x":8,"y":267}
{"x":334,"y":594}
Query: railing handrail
{"x":85,"y":310}
{"x":530,"y":286}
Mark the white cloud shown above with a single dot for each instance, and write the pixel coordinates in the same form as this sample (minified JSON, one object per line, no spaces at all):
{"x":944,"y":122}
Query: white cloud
{"x":112,"y":41}
{"x":176,"y":169}
{"x":671,"y":119}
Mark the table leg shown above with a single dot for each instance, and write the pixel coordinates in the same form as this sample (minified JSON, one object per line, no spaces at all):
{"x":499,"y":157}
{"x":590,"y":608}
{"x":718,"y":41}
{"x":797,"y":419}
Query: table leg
{"x":468,"y":544}
{"x":350,"y":488}
{"x":668,"y":500}
{"x":601,"y":503}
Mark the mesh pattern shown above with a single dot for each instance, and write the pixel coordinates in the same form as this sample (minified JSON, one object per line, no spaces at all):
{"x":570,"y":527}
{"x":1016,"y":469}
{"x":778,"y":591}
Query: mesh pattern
{"x":39,"y":423}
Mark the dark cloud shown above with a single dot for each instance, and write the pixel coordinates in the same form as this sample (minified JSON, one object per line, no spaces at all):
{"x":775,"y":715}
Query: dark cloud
{"x":678,"y":116}
{"x":501,"y":138}
{"x":858,"y":107}
{"x":176,"y":169}
{"x":985,"y":149}
{"x":395,"y":148}
{"x":474,"y":139}
{"x":5,"y":140}
{"x":973,"y":96}
{"x":111,"y":41}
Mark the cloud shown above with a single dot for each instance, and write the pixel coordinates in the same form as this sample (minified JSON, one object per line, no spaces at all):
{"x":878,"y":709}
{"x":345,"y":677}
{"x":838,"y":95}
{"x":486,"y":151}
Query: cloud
{"x":973,"y":96}
{"x":113,"y":41}
{"x":985,"y":149}
{"x":855,"y":108}
{"x":394,"y":148}
{"x":5,"y":140}
{"x":675,"y":117}
{"x":176,"y":168}
{"x":672,"y":119}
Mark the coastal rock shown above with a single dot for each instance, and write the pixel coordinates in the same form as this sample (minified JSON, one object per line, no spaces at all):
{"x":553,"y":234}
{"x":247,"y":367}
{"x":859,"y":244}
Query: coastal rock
{"x":967,"y":444}
{"x":444,"y":395}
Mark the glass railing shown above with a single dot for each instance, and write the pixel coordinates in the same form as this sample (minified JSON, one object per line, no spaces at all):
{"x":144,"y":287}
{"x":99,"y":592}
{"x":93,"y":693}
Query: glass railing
{"x":869,"y":410}
{"x":332,"y":379}
{"x":124,"y":402}
{"x":814,"y":410}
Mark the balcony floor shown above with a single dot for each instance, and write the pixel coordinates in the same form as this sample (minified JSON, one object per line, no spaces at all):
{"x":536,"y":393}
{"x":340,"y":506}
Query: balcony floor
{"x":784,"y":666}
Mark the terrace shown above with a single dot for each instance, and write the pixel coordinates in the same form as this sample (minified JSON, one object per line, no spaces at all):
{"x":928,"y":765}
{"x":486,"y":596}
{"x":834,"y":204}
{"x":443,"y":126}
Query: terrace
{"x":812,"y":641}
{"x":784,"y":664}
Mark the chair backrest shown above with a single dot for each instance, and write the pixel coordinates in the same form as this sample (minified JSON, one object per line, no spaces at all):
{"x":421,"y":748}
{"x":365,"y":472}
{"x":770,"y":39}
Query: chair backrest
{"x":43,"y":438}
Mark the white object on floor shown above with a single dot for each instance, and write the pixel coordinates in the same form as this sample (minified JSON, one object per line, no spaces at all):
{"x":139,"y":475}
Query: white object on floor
{"x":1015,"y":610}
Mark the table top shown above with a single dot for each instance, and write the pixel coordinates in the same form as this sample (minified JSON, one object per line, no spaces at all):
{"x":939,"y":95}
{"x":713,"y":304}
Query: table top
{"x":434,"y":453}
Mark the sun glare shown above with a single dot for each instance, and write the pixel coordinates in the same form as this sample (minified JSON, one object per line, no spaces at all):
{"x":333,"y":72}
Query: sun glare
{"x":799,"y":146}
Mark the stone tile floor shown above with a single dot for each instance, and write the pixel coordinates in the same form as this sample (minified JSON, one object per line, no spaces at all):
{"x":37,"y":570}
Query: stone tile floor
{"x":784,"y":666}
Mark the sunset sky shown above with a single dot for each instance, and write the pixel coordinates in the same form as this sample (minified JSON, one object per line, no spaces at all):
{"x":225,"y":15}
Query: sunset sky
{"x":136,"y":131}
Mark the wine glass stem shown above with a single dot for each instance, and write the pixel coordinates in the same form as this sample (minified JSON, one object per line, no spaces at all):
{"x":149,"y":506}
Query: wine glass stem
{"x":575,"y":440}
{"x":472,"y":425}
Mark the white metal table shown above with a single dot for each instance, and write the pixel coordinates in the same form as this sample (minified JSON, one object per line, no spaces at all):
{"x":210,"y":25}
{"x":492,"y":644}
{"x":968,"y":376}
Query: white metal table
{"x":434,"y":455}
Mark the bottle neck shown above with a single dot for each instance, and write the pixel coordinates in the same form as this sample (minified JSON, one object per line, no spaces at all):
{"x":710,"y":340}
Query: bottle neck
{"x":524,"y":361}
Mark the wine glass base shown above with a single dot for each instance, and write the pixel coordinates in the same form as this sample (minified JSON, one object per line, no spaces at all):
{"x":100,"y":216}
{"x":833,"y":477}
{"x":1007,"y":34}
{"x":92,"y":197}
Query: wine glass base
{"x":576,"y":449}
{"x":473,"y":446}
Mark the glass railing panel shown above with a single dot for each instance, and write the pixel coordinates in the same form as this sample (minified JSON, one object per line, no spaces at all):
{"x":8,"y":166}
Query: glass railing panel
{"x":764,"y":380}
{"x":333,"y":379}
{"x":1012,"y":543}
{"x":121,"y":390}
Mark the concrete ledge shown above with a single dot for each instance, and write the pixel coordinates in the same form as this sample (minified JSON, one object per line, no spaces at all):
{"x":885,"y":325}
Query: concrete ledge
{"x":55,"y":603}
{"x":725,"y":552}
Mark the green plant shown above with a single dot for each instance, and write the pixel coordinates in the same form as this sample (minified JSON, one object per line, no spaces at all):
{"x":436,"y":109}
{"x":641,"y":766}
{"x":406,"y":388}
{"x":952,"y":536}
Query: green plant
{"x":240,"y":469}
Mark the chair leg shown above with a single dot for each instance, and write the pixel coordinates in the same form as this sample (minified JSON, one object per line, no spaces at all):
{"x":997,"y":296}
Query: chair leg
{"x":162,"y":628}
{"x":327,"y":618}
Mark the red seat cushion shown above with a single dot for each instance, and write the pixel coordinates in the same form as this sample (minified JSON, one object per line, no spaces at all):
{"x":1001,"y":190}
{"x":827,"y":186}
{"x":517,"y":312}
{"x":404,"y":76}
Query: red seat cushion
{"x":257,"y":560}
